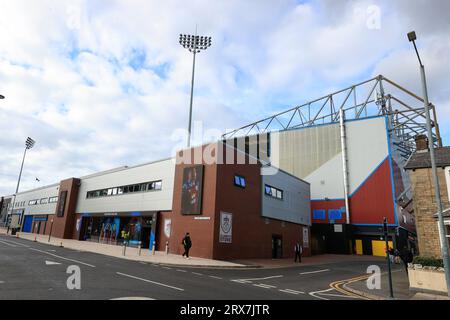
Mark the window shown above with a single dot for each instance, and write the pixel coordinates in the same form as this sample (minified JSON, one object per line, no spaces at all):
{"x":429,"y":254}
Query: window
{"x":334,"y":214}
{"x":44,"y":201}
{"x":32,"y":202}
{"x":140,"y":187}
{"x":52,"y":199}
{"x":319,"y":214}
{"x":273,"y":192}
{"x":239,"y":181}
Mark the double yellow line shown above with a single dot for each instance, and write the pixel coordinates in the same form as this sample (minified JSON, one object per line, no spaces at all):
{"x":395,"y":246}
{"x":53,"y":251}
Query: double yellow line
{"x":338,"y":286}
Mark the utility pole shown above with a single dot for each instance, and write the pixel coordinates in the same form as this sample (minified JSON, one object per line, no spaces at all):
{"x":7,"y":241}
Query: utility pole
{"x":385,"y":232}
{"x":444,"y":244}
{"x":194,"y":44}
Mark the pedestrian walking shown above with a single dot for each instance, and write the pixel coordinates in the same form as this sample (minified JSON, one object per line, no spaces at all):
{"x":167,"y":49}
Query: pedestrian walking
{"x":406,"y":256}
{"x":187,"y":244}
{"x":298,"y":252}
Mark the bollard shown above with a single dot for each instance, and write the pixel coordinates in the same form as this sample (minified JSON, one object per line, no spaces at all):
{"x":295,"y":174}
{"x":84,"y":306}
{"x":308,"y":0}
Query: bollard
{"x":61,"y":245}
{"x":35,"y":238}
{"x":167,"y":247}
{"x":140,"y":247}
{"x":154,"y":246}
{"x":124,"y":248}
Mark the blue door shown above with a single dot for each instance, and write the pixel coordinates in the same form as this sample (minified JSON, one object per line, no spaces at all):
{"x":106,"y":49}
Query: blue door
{"x":27,"y":223}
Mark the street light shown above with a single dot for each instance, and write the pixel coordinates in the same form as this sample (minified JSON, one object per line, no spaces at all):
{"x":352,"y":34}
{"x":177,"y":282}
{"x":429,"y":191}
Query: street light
{"x":2,"y":97}
{"x":444,"y":245}
{"x":29,"y":143}
{"x":194,"y":44}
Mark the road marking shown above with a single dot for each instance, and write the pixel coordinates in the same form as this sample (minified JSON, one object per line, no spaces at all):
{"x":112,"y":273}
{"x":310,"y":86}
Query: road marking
{"x":318,"y":271}
{"x":215,"y":277}
{"x":263,"y":286}
{"x":145,"y":280}
{"x":56,"y":256}
{"x":8,"y":244}
{"x":2,"y":282}
{"x":132,"y":298}
{"x":291,"y":291}
{"x":337,"y":286}
{"x":254,"y":279}
{"x":51,"y":263}
{"x":313,"y":293}
{"x":179,"y":270}
{"x":199,"y":274}
{"x":338,"y":295}
{"x":141,"y":262}
{"x":18,"y":243}
{"x":167,"y":268}
{"x":267,"y":285}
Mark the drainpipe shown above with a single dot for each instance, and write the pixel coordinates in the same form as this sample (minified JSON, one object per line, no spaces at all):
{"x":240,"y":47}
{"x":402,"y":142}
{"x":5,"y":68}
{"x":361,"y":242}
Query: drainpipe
{"x":344,"y":163}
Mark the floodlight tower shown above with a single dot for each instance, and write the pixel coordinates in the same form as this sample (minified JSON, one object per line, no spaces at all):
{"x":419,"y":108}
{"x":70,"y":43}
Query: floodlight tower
{"x":194,"y":44}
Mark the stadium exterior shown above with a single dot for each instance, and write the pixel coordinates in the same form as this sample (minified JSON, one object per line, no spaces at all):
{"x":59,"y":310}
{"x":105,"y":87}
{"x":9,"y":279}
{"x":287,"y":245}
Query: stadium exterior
{"x":346,"y":151}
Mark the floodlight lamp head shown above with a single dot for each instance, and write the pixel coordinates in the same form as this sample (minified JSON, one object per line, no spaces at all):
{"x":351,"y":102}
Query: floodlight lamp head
{"x":29,"y":143}
{"x":412,"y":36}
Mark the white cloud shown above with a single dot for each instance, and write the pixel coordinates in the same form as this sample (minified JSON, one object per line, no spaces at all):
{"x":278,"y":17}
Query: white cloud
{"x":65,"y":70}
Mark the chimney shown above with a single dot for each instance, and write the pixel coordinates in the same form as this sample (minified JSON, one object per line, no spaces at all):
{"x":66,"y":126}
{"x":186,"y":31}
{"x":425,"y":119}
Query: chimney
{"x":421,"y":143}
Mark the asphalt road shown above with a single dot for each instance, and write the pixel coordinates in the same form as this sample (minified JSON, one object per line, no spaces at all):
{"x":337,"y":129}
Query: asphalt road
{"x":30,"y":270}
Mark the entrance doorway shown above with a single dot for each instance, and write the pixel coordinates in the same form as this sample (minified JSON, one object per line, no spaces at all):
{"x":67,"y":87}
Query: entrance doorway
{"x":277,"y":246}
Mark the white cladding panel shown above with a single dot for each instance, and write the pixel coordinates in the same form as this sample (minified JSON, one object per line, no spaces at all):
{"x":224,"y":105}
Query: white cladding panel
{"x":38,"y":194}
{"x":447,"y":180}
{"x":295,"y":206}
{"x":367,"y":147}
{"x":141,"y":201}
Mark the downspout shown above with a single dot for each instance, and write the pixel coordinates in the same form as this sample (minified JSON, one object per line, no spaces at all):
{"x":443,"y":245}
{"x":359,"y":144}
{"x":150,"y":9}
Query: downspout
{"x":344,"y":163}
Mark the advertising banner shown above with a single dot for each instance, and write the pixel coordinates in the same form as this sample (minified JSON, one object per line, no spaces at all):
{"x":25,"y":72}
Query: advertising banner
{"x":305,"y":237}
{"x":191,"y":194}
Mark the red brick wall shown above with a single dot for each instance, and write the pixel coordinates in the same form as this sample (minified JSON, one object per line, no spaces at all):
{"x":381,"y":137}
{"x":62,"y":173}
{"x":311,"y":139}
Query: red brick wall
{"x":63,"y":227}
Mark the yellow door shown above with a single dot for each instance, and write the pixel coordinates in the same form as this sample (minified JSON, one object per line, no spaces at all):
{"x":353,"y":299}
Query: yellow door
{"x":359,"y":249}
{"x":379,"y":246}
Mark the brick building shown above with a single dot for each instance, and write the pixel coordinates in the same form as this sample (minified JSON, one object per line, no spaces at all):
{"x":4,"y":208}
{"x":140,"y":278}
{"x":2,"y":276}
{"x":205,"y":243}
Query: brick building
{"x":425,"y":207}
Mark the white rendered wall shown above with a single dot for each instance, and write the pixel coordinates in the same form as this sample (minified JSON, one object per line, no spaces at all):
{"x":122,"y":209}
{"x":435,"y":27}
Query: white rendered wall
{"x":142,"y":201}
{"x":38,"y":194}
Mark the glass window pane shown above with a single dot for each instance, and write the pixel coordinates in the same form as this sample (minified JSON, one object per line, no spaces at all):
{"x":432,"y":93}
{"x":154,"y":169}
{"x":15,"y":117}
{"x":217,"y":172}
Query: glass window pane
{"x":114,"y":191}
{"x":120,"y":190}
{"x":158,"y":185}
{"x":110,"y":192}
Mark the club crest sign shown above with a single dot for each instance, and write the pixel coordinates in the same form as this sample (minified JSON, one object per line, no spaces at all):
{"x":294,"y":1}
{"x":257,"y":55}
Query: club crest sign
{"x":167,"y":227}
{"x":226,"y":227}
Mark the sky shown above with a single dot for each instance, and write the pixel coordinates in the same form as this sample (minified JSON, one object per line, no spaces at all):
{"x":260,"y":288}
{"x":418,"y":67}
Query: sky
{"x":101,"y":84}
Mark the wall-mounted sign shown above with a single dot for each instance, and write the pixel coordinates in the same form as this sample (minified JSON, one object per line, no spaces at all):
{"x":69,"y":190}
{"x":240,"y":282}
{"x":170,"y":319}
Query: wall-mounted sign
{"x":305,"y":237}
{"x":167,"y":227}
{"x":226,"y":227}
{"x":78,"y":224}
{"x":338,"y":228}
{"x":202,"y":218}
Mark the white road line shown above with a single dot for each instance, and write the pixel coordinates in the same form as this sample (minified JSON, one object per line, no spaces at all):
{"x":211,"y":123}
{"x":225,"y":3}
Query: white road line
{"x":338,"y":295}
{"x":2,"y":282}
{"x":54,"y":255}
{"x":254,"y":279}
{"x":262,"y":286}
{"x":318,"y":271}
{"x":267,"y":285}
{"x":17,"y":243}
{"x":167,"y":268}
{"x":313,"y":294}
{"x":215,"y":277}
{"x":199,"y":274}
{"x":179,"y":270}
{"x":149,"y":281}
{"x":291,"y":291}
{"x":8,"y":244}
{"x":141,"y":262}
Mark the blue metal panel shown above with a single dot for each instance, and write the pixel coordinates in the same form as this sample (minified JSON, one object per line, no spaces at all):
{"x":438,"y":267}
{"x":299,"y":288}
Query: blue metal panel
{"x":27,"y":224}
{"x":334,"y":214}
{"x":319,"y":214}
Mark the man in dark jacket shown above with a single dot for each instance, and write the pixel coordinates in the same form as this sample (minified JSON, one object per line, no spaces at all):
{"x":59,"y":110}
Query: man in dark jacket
{"x":298,"y":252}
{"x":406,"y":257}
{"x":187,"y":244}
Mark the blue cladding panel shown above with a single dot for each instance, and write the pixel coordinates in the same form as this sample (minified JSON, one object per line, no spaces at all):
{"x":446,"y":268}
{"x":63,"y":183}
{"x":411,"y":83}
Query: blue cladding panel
{"x":319,"y":214}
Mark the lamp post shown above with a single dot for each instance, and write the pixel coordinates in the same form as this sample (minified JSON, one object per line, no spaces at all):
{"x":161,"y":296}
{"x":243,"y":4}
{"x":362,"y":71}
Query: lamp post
{"x":194,"y":44}
{"x":444,"y":245}
{"x":29,"y":143}
{"x":2,"y":96}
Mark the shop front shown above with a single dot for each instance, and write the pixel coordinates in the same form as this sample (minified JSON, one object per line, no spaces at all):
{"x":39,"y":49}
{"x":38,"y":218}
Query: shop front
{"x":116,"y":228}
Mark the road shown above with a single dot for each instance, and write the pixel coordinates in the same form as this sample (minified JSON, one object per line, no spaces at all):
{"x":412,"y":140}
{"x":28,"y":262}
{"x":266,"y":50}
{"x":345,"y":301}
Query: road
{"x":31,"y":270}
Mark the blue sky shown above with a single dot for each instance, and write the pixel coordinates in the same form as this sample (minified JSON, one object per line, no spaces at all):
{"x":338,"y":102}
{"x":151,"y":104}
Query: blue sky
{"x":103,"y":84}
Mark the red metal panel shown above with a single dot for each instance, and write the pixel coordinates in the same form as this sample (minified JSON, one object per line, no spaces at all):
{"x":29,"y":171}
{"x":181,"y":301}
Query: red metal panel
{"x":373,"y":200}
{"x":326,"y":205}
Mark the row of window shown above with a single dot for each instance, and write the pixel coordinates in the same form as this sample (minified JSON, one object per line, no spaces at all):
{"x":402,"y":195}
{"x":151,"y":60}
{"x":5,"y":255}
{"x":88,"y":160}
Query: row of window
{"x":36,"y":202}
{"x":333,"y":214}
{"x":273,"y":192}
{"x":239,"y":181}
{"x":140,"y":187}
